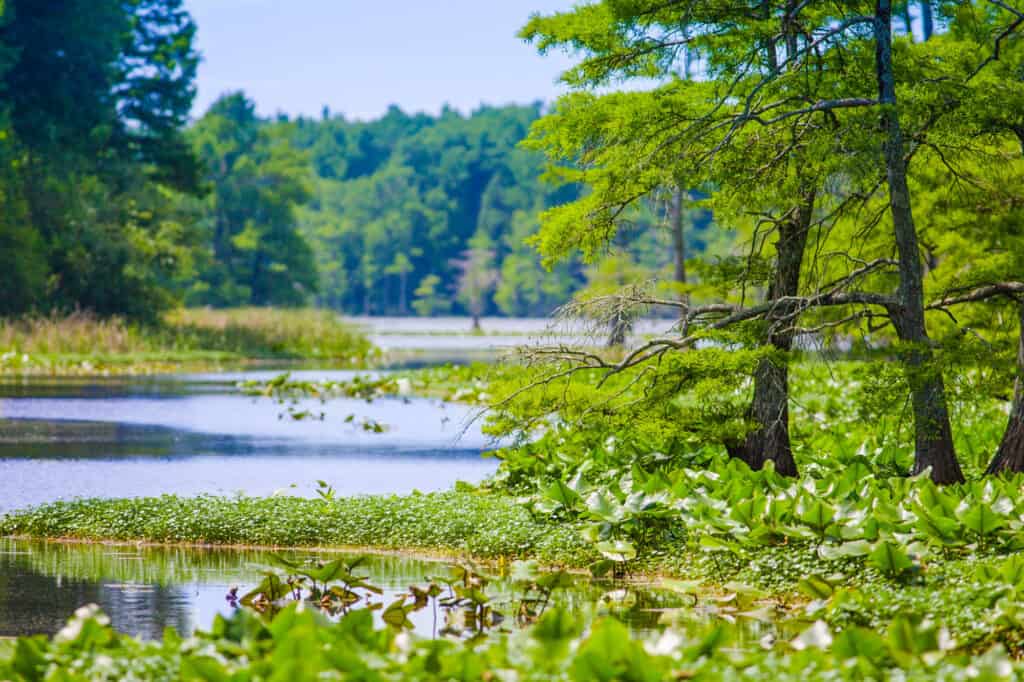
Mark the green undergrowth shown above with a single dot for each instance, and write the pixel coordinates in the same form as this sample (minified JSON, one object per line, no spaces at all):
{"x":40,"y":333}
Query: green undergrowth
{"x":300,"y":643}
{"x":963,"y":584}
{"x":483,"y":526}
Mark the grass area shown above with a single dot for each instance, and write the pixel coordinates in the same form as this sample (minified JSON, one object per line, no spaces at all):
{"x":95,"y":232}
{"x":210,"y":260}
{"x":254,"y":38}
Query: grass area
{"x":483,"y":526}
{"x":80,"y":343}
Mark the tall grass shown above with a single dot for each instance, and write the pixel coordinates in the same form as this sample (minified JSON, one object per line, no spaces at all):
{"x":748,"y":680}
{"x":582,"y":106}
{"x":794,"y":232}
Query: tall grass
{"x":244,"y":332}
{"x":267,"y":332}
{"x":77,"y":333}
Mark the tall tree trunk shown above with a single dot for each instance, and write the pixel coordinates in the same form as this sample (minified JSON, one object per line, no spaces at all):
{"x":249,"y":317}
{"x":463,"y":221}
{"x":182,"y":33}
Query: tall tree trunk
{"x":769,"y":408}
{"x":933,"y":436}
{"x":620,"y":328}
{"x":1010,"y":455}
{"x":679,"y":249}
{"x":403,"y":297}
{"x":927,"y":20}
{"x":905,"y":16}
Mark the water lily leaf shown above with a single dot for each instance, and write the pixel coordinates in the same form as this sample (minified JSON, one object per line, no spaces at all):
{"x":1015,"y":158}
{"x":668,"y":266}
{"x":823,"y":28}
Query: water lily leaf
{"x":711,"y":543}
{"x":857,"y":642}
{"x":555,"y":625}
{"x":561,"y":494}
{"x":618,"y":550}
{"x":817,"y":636}
{"x":1012,"y":572}
{"x":683,"y":586}
{"x":816,"y":587}
{"x":816,"y":514}
{"x":602,"y":505}
{"x":941,"y":528}
{"x":555,"y":580}
{"x":397,"y":615}
{"x":525,"y":571}
{"x":765,"y":614}
{"x":982,"y":519}
{"x":847,"y":549}
{"x":890,"y":558}
{"x":907,"y":638}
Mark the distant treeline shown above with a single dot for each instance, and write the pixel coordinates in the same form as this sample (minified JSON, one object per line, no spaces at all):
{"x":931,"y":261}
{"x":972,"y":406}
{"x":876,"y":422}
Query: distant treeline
{"x":405,"y":214}
{"x":110,"y":201}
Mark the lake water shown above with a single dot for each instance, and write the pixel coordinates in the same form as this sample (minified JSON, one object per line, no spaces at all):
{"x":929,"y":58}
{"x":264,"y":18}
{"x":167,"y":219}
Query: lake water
{"x":196,"y":434}
{"x":145,"y":589}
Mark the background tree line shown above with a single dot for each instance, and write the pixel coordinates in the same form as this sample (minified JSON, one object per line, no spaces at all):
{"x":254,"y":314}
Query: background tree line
{"x":405,"y":214}
{"x":112,"y":201}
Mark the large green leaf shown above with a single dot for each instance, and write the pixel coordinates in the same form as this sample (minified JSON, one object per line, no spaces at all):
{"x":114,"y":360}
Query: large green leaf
{"x":618,"y":550}
{"x":397,"y":614}
{"x":561,"y":494}
{"x":854,"y":548}
{"x":815,"y":513}
{"x":982,"y":519}
{"x":856,"y":642}
{"x":601,"y":504}
{"x":890,"y":558}
{"x":815,"y":587}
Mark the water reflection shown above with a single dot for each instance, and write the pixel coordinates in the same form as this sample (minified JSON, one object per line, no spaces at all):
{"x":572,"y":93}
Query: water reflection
{"x":145,"y":589}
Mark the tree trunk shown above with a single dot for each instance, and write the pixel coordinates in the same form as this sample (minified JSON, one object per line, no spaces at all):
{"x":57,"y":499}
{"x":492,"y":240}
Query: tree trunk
{"x":403,"y":298}
{"x":770,"y":406}
{"x":933,"y":436}
{"x":905,"y":16}
{"x":1010,"y":455}
{"x":620,"y":327}
{"x":927,"y":20}
{"x":679,"y":249}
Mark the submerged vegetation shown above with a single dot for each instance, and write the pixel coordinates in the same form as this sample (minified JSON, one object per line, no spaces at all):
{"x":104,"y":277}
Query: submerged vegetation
{"x":82,"y":343}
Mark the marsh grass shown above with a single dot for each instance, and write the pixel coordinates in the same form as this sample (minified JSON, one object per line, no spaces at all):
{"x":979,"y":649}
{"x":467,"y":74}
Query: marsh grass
{"x":82,"y":340}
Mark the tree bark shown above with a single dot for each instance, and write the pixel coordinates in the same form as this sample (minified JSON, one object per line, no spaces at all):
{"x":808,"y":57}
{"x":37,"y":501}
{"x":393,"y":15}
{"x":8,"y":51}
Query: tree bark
{"x":403,"y":298}
{"x":905,"y":16}
{"x":679,"y":248}
{"x":769,"y":408}
{"x":620,"y":328}
{"x":927,"y":20}
{"x":1010,"y":455}
{"x":933,"y":436}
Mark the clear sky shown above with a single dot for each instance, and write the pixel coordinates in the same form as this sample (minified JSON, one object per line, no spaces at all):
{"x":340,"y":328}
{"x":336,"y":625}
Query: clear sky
{"x":359,"y":56}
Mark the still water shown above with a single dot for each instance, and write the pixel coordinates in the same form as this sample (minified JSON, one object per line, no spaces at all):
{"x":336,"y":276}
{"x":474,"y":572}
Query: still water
{"x":197,"y":434}
{"x":145,"y":589}
{"x":128,"y":437}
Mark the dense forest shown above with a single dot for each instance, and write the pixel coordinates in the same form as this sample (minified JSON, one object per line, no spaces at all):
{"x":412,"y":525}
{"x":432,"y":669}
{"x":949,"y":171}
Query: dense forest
{"x":94,"y":98}
{"x":120,"y":205}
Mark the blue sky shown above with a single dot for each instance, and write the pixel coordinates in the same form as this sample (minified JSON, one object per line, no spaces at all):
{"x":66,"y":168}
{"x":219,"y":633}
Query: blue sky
{"x":358,"y":57}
